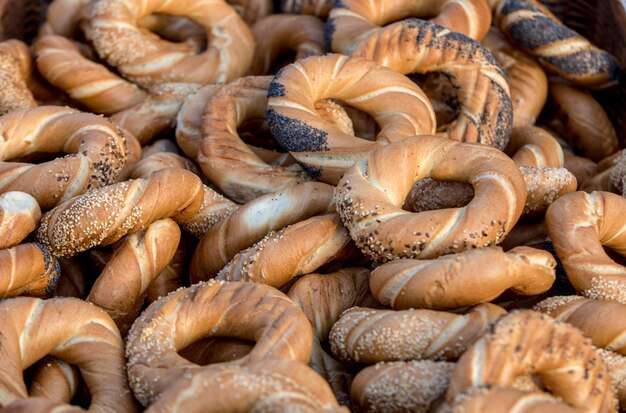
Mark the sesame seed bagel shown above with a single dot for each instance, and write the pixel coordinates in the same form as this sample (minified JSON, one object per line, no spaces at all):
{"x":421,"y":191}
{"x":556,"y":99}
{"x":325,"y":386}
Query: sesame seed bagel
{"x":370,"y":196}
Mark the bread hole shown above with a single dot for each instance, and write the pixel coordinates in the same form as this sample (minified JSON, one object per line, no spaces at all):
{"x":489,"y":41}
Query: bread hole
{"x":211,"y":350}
{"x":176,"y":29}
{"x":348,"y":119}
{"x":428,"y":194}
{"x":442,"y":94}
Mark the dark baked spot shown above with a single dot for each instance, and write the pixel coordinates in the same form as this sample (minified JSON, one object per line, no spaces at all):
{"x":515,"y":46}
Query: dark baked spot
{"x":329,"y":32}
{"x":295,"y":135}
{"x":276,"y":89}
{"x":586,"y":62}
{"x":539,"y":31}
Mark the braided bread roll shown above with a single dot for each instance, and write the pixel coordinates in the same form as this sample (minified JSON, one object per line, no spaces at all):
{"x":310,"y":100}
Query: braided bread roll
{"x":97,"y":146}
{"x":54,"y":380}
{"x":464,"y":279}
{"x":370,"y":196}
{"x":19,"y":216}
{"x":14,"y":70}
{"x":279,"y":34}
{"x":401,"y":386}
{"x":253,"y":221}
{"x":394,"y":101}
{"x":103,"y":216}
{"x":112,"y":27}
{"x":559,"y":49}
{"x":137,"y":260}
{"x":580,"y":226}
{"x":239,"y":310}
{"x":94,"y":85}
{"x":352,"y":21}
{"x":69,"y":330}
{"x":369,"y":336}
{"x":298,"y":249}
{"x":223,"y":156}
{"x":28,"y":269}
{"x":527,"y":342}
{"x":586,"y":124}
{"x":604,"y":322}
{"x":417,"y":46}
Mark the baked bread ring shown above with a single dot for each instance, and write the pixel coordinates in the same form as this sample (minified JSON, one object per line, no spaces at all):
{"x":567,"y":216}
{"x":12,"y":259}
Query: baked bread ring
{"x":238,"y":310}
{"x":28,"y":269}
{"x":253,"y":221}
{"x":278,"y":34}
{"x":54,"y":380}
{"x":15,"y":67}
{"x":370,"y":196}
{"x":368,"y":336}
{"x":418,"y":46}
{"x":532,"y":146}
{"x":396,"y":103}
{"x":103,"y":216}
{"x":70,"y":330}
{"x":225,"y":159}
{"x":462,"y":280}
{"x":580,"y":226}
{"x":112,"y":27}
{"x":527,"y":342}
{"x":19,"y":216}
{"x":60,"y":62}
{"x":352,"y":21}
{"x":559,"y":49}
{"x":319,"y":8}
{"x":98,"y":148}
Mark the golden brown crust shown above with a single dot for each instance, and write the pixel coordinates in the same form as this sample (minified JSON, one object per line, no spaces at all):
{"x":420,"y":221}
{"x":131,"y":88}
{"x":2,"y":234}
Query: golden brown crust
{"x":28,"y":269}
{"x":173,"y":276}
{"x":19,"y":216}
{"x":532,"y":146}
{"x":252,"y":10}
{"x":54,"y":380}
{"x":15,"y":68}
{"x":370,"y":196}
{"x":527,"y":342}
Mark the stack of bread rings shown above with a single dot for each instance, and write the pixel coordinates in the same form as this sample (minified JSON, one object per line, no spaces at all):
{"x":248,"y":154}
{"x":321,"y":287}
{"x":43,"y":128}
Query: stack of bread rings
{"x":312,"y":206}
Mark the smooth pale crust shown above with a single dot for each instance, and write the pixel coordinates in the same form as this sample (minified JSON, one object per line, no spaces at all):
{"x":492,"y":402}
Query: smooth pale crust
{"x":225,"y":159}
{"x":98,"y":153}
{"x":586,"y":124}
{"x":15,"y":69}
{"x":28,"y":269}
{"x":60,"y":62}
{"x":253,"y":221}
{"x":298,"y":249}
{"x":504,"y":399}
{"x":527,"y":80}
{"x":527,"y":342}
{"x":559,"y":49}
{"x":368,"y":336}
{"x":137,"y":260}
{"x":401,"y":386}
{"x":532,"y":146}
{"x":397,"y":104}
{"x":263,"y":386}
{"x":19,"y":216}
{"x":103,"y":216}
{"x":371,"y":193}
{"x":70,"y":330}
{"x":352,"y":21}
{"x":54,"y":380}
{"x":279,"y":34}
{"x":580,"y":226}
{"x":604,"y":322}
{"x":112,"y":27}
{"x":248,"y":311}
{"x":319,"y":8}
{"x":418,"y":46}
{"x":462,"y":280}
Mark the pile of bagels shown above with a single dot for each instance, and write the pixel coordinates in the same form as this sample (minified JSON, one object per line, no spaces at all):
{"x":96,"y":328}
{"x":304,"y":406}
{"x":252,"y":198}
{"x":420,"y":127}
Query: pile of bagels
{"x":310,"y":206}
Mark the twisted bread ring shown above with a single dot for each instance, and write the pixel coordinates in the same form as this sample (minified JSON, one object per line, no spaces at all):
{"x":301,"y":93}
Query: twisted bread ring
{"x":28,"y":269}
{"x":99,"y":152}
{"x":352,"y":21}
{"x":396,"y":103}
{"x":368,"y":336}
{"x":103,"y":216}
{"x":417,"y":46}
{"x":580,"y":225}
{"x":604,"y":322}
{"x":559,"y":49}
{"x":278,"y":34}
{"x":370,"y":196}
{"x":15,"y":68}
{"x":19,"y":216}
{"x":70,"y":330}
{"x":224,"y":157}
{"x":60,"y":62}
{"x":461,"y":280}
{"x":253,"y":221}
{"x":487,"y":399}
{"x":111,"y":25}
{"x":527,"y":342}
{"x":532,"y":146}
{"x":54,"y":380}
{"x":173,"y":276}
{"x":241,"y":310}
